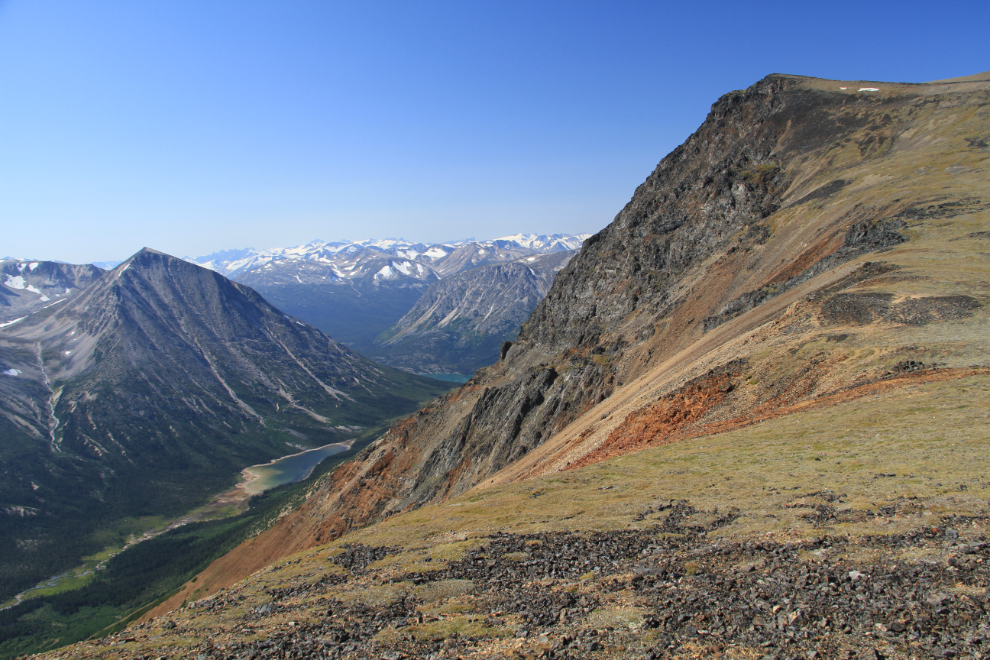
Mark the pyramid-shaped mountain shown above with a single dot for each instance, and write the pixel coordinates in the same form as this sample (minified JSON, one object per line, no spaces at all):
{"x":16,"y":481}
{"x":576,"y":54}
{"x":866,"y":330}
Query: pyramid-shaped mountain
{"x":154,"y":386}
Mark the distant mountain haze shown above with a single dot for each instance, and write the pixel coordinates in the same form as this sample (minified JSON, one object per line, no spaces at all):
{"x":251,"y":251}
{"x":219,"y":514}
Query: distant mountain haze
{"x":459,"y":324}
{"x":355,"y":291}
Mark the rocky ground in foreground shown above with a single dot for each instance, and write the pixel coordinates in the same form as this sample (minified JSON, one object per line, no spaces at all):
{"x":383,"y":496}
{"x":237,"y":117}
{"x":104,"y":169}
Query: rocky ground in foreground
{"x":860,"y":531}
{"x":666,"y":591}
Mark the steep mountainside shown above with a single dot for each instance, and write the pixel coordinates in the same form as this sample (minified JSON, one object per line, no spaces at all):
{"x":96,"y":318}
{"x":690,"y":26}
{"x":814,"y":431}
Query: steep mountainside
{"x":27,"y":286}
{"x":813,"y":242}
{"x":472,"y":255}
{"x":460,"y":323}
{"x":150,"y":390}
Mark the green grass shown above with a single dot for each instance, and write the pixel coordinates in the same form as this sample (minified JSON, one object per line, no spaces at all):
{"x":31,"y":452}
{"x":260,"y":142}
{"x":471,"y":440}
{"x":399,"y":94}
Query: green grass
{"x":758,"y":470}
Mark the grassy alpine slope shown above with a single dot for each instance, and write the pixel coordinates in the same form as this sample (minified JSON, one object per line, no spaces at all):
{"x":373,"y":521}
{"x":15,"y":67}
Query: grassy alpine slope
{"x":665,"y":546}
{"x":747,"y":419}
{"x":127,"y":584}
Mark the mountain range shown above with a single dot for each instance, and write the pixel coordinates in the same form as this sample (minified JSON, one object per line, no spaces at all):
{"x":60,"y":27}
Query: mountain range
{"x":355,"y":291}
{"x":745,"y":417}
{"x":460,"y":322}
{"x":148,"y":391}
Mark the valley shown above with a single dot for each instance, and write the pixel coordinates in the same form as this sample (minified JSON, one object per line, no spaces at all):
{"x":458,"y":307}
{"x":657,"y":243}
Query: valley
{"x":146,"y":394}
{"x":746,"y":419}
{"x":359,"y":293}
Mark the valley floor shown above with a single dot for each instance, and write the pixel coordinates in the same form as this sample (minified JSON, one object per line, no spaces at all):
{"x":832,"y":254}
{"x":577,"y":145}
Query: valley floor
{"x":858,"y":530}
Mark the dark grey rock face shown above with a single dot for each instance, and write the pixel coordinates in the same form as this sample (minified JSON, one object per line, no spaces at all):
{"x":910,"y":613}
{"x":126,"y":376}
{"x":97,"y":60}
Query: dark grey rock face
{"x":723,"y":179}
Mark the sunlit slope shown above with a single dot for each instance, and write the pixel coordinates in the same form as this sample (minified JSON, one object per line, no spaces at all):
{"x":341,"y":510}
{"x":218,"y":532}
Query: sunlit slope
{"x":691,"y":549}
{"x":147,"y":392}
{"x":814,"y":243}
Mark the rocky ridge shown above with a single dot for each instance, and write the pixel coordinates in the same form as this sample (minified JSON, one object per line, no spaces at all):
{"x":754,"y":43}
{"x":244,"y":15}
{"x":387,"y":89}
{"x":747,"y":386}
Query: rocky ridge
{"x":778,"y":261}
{"x":28,"y":286}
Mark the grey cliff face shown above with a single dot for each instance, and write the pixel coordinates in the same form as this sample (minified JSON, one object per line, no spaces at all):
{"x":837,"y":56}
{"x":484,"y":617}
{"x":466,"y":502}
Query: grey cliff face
{"x":724,"y":179}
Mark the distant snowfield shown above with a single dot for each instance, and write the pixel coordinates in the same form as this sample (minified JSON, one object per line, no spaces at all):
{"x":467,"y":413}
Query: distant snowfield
{"x":12,"y":372}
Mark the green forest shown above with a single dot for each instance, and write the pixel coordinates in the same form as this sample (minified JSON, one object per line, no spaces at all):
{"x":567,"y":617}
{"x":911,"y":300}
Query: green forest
{"x":145,"y":574}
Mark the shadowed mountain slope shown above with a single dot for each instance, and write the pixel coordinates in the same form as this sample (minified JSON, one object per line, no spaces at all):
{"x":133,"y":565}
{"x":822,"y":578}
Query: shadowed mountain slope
{"x":813,"y":242}
{"x":461,"y":321}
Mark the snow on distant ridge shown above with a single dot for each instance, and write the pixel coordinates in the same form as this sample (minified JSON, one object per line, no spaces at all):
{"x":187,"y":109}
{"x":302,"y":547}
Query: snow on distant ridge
{"x":235,"y":262}
{"x":546,"y":243}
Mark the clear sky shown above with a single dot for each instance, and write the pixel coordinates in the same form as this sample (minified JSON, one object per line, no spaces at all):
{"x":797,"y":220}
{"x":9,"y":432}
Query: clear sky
{"x":192,"y":126}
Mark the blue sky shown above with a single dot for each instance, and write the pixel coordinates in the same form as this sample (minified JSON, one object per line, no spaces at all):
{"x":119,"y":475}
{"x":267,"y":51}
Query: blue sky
{"x":193,"y":126}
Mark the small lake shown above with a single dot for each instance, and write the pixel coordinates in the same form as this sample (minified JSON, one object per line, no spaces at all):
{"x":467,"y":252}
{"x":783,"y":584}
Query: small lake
{"x":288,"y":469}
